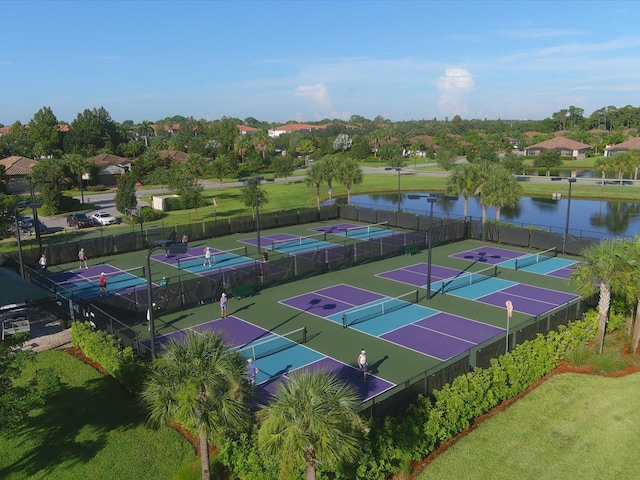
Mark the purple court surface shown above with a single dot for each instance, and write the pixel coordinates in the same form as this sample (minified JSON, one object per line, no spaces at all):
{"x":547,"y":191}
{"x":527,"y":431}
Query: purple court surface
{"x":430,"y":332}
{"x":278,"y":367}
{"x":417,"y":274}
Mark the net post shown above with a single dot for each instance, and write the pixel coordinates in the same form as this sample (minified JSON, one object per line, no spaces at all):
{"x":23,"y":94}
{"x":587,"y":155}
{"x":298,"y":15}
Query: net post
{"x":304,"y":334}
{"x":344,"y":320}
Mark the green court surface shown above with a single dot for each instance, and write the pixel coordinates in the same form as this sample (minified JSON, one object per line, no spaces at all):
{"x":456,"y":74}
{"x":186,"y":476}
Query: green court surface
{"x":392,"y":362}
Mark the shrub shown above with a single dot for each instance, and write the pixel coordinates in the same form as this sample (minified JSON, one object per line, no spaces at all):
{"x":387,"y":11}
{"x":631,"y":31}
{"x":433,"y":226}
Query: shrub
{"x":102,"y":347}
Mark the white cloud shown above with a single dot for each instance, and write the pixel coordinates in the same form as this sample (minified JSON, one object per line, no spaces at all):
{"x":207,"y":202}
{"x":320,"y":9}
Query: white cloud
{"x":319,"y":97}
{"x":453,"y":86}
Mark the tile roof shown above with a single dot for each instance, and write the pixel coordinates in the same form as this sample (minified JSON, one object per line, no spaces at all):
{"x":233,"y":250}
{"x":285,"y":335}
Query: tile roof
{"x":105,"y":159}
{"x":246,"y":129}
{"x":559,"y":142}
{"x":17,"y":166}
{"x":176,"y":155}
{"x":631,"y":144}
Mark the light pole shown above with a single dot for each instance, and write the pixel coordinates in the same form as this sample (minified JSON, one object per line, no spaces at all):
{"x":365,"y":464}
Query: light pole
{"x":174,"y":248}
{"x":255,"y":183}
{"x":431,"y":198}
{"x":18,"y":206}
{"x":571,"y":181}
{"x":397,"y":169}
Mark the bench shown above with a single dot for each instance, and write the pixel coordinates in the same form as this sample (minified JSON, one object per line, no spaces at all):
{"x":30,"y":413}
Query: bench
{"x":242,"y":291}
{"x":411,"y":249}
{"x":15,"y":325}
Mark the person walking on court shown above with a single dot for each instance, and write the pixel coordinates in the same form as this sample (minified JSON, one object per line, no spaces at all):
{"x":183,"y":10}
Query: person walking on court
{"x":363,"y":366}
{"x":207,"y":257}
{"x":43,"y":262}
{"x":102,"y":282}
{"x":185,"y":238}
{"x":265,"y":255}
{"x":223,"y":305}
{"x":83,"y":258}
{"x":252,"y":372}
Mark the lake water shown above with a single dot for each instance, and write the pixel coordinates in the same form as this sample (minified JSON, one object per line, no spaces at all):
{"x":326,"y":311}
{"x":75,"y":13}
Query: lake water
{"x":587,"y":218}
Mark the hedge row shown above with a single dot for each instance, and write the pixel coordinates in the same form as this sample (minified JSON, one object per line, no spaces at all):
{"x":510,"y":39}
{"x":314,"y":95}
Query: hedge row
{"x":392,"y":443}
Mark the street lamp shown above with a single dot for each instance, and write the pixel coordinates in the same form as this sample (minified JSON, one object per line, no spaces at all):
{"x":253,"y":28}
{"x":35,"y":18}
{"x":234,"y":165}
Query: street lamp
{"x":571,"y":181}
{"x":171,"y":247}
{"x":18,"y":206}
{"x":397,"y":169}
{"x":255,"y":182}
{"x":431,"y":198}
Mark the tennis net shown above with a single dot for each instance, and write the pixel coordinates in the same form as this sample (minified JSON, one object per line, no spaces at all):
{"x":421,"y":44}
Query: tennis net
{"x":375,"y":310}
{"x":533,"y":258}
{"x":113,"y":279}
{"x":366,"y":230}
{"x":293,"y":243}
{"x":273,"y":344}
{"x":217,"y":256}
{"x":466,"y":279}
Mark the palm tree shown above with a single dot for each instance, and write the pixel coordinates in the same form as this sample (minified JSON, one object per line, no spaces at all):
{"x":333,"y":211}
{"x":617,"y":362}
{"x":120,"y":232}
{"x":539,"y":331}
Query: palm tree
{"x":607,"y":268}
{"x":198,"y":382}
{"x":242,"y":145}
{"x":502,"y":190}
{"x":311,"y":421}
{"x":315,"y":176}
{"x":145,"y":130}
{"x":262,"y":143}
{"x":349,"y":174}
{"x":484,"y":171}
{"x":305,"y":147}
{"x":329,"y":165}
{"x":463,"y":181}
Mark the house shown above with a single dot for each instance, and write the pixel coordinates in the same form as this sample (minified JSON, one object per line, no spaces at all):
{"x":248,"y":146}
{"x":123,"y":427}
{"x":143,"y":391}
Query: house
{"x":111,"y":167}
{"x":246,"y":130}
{"x":566,"y":147}
{"x":631,"y":144}
{"x":294,"y":127}
{"x":173,"y":155}
{"x":17,"y":169}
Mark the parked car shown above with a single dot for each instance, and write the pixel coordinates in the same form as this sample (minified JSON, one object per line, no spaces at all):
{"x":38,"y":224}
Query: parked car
{"x":103,"y":218}
{"x":79,"y":220}
{"x":26,"y":224}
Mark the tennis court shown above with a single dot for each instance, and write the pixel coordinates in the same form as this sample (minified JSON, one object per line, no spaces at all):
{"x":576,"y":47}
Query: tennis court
{"x":277,"y":356}
{"x":193,"y":260}
{"x":292,"y":244}
{"x":542,"y":263}
{"x":483,"y":286}
{"x":83,"y":283}
{"x":399,"y":320}
{"x":359,"y":232}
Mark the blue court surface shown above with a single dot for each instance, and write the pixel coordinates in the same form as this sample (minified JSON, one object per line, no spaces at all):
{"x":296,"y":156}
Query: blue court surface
{"x":277,"y":356}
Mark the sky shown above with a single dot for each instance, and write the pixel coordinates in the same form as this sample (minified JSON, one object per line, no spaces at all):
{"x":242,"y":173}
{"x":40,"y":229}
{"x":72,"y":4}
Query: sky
{"x":305,"y":61}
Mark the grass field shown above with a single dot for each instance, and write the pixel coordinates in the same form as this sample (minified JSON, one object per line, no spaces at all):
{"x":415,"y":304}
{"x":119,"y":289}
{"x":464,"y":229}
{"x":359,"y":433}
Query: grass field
{"x":571,"y":427}
{"x":91,"y":428}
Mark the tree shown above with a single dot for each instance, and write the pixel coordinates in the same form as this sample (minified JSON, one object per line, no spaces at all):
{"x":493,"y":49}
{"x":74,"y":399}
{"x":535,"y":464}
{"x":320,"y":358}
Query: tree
{"x":283,"y":166}
{"x":221,"y":166}
{"x":200,"y":382}
{"x":311,"y":421}
{"x":463,"y":181}
{"x":513,"y":163}
{"x":18,"y":399}
{"x":446,"y":158}
{"x":16,"y":141}
{"x":183,"y":178}
{"x":43,"y":133}
{"x":349,"y":174}
{"x":91,"y":132}
{"x":145,"y":130}
{"x":305,"y":147}
{"x":262,"y":143}
{"x":315,"y":176}
{"x":48,"y":178}
{"x":342,"y":142}
{"x":126,"y":194}
{"x":242,"y":145}
{"x":329,"y":166}
{"x":606,"y":268}
{"x":548,"y":159}
{"x":253,"y":195}
{"x":501,"y":190}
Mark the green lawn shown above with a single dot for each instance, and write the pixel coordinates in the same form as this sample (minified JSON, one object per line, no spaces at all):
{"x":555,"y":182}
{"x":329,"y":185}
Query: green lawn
{"x":572,"y":426}
{"x":91,"y":428}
